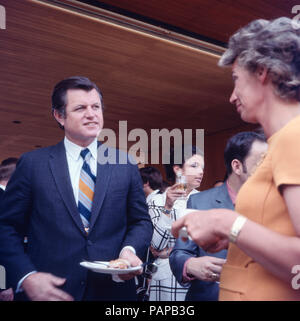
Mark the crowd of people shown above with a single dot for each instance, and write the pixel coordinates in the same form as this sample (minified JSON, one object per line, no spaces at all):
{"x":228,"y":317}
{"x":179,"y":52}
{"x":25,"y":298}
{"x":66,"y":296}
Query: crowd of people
{"x":62,"y":204}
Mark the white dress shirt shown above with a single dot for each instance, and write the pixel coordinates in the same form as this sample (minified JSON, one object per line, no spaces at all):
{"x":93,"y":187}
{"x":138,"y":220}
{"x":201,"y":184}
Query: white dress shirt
{"x":75,"y":162}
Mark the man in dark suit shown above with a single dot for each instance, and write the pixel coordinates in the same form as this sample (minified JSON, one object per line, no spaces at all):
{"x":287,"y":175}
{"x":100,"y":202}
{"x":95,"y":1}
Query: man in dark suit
{"x":190,"y":264}
{"x":73,"y":206}
{"x":7,"y":168}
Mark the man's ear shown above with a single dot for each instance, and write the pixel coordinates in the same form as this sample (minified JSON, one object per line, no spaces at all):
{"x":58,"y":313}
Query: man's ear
{"x":59,"y":117}
{"x":237,"y":166}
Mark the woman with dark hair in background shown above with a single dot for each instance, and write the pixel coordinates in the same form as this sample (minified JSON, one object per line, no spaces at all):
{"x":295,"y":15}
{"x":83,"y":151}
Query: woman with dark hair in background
{"x":166,"y":208}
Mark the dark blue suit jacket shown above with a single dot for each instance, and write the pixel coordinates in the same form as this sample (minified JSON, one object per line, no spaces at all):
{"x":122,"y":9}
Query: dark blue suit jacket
{"x":39,"y":202}
{"x":1,"y":193}
{"x":217,"y":197}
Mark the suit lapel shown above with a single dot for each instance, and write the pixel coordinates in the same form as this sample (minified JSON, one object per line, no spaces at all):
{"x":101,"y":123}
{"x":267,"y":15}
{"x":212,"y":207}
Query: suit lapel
{"x":102,"y":181}
{"x":223,"y":199}
{"x":60,"y":171}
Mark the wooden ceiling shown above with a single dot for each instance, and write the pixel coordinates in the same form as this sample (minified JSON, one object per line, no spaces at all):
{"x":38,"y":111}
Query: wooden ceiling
{"x":146,"y":77}
{"x":214,"y":20}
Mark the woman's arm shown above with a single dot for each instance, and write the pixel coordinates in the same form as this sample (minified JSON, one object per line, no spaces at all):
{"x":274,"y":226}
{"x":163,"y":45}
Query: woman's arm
{"x":162,"y":220}
{"x":161,"y":226}
{"x":276,"y":252}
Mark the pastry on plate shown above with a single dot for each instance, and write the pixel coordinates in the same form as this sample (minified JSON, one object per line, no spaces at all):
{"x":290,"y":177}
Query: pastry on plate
{"x":119,"y":264}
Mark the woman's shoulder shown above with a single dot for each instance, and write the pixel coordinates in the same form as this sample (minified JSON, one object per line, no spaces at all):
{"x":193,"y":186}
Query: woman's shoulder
{"x":287,"y":137}
{"x":158,"y":198}
{"x":292,"y":128}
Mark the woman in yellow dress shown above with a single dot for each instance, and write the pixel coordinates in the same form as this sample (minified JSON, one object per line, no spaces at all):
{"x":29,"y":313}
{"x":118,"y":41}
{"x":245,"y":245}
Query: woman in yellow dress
{"x":263,"y":233}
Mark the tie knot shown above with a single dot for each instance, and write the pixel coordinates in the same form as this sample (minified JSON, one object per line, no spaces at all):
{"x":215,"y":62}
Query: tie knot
{"x":84,"y":152}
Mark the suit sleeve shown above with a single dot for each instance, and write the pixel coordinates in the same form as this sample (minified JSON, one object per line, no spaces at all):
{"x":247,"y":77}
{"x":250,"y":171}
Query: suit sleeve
{"x":181,"y":252}
{"x":14,"y":213}
{"x":139,"y":226}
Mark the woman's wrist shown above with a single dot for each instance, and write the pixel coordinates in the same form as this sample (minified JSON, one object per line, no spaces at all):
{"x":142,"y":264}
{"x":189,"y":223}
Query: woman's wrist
{"x":166,"y":211}
{"x":224,"y":222}
{"x":167,"y":208}
{"x":236,"y":228}
{"x":169,"y":205}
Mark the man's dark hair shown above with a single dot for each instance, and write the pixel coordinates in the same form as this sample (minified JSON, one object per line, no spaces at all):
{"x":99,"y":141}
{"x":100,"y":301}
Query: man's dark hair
{"x":59,"y":95}
{"x":9,"y":161}
{"x":152,"y":176}
{"x":238,"y":147}
{"x":7,"y":168}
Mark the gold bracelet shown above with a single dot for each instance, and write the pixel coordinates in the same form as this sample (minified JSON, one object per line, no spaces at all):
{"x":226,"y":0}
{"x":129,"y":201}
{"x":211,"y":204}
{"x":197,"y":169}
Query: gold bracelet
{"x":236,"y":228}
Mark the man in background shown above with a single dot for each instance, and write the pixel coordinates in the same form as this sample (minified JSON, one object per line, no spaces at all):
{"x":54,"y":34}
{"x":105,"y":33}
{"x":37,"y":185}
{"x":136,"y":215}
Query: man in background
{"x":190,"y":264}
{"x":152,"y":181}
{"x":7,"y":168}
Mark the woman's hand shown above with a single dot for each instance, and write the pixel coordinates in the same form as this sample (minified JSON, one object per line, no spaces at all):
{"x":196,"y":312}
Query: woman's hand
{"x":163,"y":254}
{"x":208,"y":229}
{"x":206,"y":268}
{"x":173,"y":193}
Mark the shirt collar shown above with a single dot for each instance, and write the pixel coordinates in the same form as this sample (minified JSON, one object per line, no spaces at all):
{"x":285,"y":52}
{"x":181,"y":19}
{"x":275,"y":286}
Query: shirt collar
{"x":74,"y":150}
{"x":3,"y":187}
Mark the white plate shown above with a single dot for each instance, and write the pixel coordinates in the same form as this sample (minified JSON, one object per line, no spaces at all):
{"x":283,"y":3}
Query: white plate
{"x":102,"y":267}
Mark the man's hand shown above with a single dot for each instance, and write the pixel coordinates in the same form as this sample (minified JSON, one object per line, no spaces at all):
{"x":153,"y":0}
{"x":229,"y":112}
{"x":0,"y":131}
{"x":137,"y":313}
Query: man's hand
{"x":206,"y":268}
{"x":7,"y":295}
{"x":44,"y":287}
{"x":134,"y":261}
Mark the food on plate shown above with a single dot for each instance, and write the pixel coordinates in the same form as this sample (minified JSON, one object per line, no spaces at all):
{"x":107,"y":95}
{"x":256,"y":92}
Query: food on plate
{"x":119,"y":264}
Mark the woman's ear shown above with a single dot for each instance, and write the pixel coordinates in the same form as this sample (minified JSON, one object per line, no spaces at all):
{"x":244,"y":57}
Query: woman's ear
{"x":262,"y":73}
{"x":177,"y":169}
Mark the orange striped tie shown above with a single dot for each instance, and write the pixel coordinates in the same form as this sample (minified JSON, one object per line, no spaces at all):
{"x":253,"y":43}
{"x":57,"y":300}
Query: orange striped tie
{"x":86,"y":191}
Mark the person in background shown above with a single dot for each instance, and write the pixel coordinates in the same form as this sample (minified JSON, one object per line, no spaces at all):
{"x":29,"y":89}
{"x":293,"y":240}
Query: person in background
{"x":263,"y":233}
{"x":191,"y":265}
{"x":7,"y":168}
{"x":153,"y":185}
{"x":152,"y":181}
{"x":164,"y":209}
{"x":218,"y":182}
{"x":74,"y":206}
